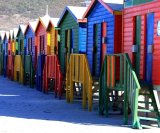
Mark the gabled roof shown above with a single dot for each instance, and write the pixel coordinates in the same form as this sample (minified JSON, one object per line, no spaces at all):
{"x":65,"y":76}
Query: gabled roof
{"x":11,"y":34}
{"x":15,"y":32}
{"x":54,"y":21}
{"x":44,"y":20}
{"x":6,"y":35}
{"x":32,"y":25}
{"x":2,"y":33}
{"x":111,"y":7}
{"x":22,"y":27}
{"x":114,"y":1}
{"x":76,"y":12}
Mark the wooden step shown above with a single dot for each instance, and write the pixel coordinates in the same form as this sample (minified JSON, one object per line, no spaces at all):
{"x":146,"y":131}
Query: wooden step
{"x":146,"y":126}
{"x":146,"y":102}
{"x":116,"y":101}
{"x":146,"y":94}
{"x":146,"y":111}
{"x":148,"y":119}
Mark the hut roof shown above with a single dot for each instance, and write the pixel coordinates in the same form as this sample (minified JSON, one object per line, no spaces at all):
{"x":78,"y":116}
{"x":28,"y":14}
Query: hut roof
{"x":33,"y":25}
{"x":45,"y":20}
{"x":2,"y":34}
{"x":111,"y":7}
{"x":54,"y":21}
{"x":11,"y":34}
{"x":15,"y":32}
{"x":75,"y":11}
{"x":22,"y":27}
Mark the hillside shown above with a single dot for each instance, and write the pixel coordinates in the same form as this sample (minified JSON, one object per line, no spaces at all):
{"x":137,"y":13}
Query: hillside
{"x":14,"y":12}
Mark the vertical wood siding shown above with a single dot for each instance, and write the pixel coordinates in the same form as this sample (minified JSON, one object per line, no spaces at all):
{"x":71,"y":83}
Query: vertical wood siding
{"x":98,"y":15}
{"x":82,"y":36}
{"x":53,"y":39}
{"x":41,"y":31}
{"x":30,"y":34}
{"x":68,"y":23}
{"x":20,"y":37}
{"x":128,"y":34}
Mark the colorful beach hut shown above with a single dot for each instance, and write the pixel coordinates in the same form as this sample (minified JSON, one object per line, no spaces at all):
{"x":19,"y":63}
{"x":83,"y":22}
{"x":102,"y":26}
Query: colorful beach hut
{"x":10,"y":60}
{"x":141,"y":37}
{"x":31,"y":40}
{"x":104,"y":32}
{"x":30,"y":57}
{"x":42,"y":46}
{"x":52,"y":76}
{"x":20,"y":52}
{"x":72,"y":32}
{"x":5,"y":52}
{"x":10,"y":42}
{"x":21,"y":39}
{"x":14,"y":42}
{"x":2,"y":33}
{"x":53,"y":36}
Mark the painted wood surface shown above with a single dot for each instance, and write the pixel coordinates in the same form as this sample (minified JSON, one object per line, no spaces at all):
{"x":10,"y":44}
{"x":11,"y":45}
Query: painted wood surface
{"x":128,"y":35}
{"x":30,"y":43}
{"x":78,"y":38}
{"x":98,"y":15}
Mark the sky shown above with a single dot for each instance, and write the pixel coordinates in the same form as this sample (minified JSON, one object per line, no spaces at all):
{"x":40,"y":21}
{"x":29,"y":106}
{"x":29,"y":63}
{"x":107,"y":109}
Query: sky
{"x":114,"y":1}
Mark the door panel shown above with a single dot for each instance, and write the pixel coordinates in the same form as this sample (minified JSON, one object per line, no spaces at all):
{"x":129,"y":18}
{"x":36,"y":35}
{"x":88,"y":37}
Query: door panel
{"x":72,"y":41}
{"x":149,"y":41}
{"x":68,"y":46}
{"x":104,"y":43}
{"x":97,"y":36}
{"x":95,"y":44}
{"x":137,"y":42}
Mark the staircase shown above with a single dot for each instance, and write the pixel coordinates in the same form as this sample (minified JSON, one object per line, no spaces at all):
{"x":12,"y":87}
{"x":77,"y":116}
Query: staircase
{"x":121,"y":90}
{"x":148,"y":111}
{"x":78,"y":77}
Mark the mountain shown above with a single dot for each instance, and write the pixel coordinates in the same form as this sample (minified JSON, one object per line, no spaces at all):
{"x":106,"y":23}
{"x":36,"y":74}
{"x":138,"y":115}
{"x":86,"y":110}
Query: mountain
{"x":15,"y":12}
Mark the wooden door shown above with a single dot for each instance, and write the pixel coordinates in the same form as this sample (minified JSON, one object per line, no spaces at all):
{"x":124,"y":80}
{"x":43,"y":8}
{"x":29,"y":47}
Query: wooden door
{"x":137,"y":41}
{"x":97,"y":49}
{"x":104,"y":43}
{"x":149,"y":47}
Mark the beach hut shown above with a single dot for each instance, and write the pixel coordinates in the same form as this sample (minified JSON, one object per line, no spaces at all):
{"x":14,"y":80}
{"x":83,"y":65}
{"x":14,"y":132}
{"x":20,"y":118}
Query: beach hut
{"x":19,"y":57}
{"x":14,"y":42}
{"x":2,"y":33}
{"x":41,"y":36}
{"x":5,"y":52}
{"x":104,"y":32}
{"x":10,"y":42}
{"x":141,"y":37}
{"x":21,"y":39}
{"x":72,"y":32}
{"x":30,"y":38}
{"x":10,"y":61}
{"x":30,"y":57}
{"x":53,"y":36}
{"x":42,"y":48}
{"x":52,"y":76}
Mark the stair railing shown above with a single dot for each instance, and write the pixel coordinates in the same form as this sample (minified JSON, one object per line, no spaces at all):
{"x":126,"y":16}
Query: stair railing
{"x":117,"y":73}
{"x":78,"y":71}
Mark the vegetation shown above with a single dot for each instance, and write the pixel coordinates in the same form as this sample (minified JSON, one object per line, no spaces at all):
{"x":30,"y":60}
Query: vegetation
{"x":14,"y":12}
